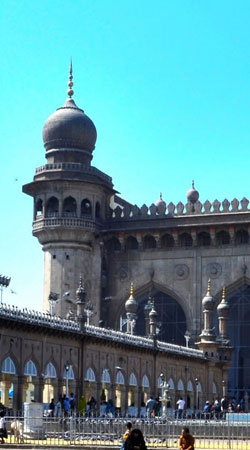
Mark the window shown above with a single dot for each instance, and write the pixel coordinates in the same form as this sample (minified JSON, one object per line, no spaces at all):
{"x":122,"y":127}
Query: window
{"x":86,"y":208}
{"x":30,"y":369}
{"x":149,"y":242}
{"x":204,"y":239}
{"x":105,"y":376}
{"x":167,"y":241}
{"x":8,"y":366}
{"x":185,"y":240}
{"x":90,"y":376}
{"x":132,"y":380}
{"x":52,"y":207}
{"x":222,"y":238}
{"x":71,"y":375}
{"x":145,"y":381}
{"x":131,"y":243}
{"x":69,"y":207}
{"x":50,"y":371}
{"x":119,"y":378}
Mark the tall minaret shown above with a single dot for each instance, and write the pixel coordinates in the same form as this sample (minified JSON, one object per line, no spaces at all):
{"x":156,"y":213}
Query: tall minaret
{"x":71,"y":201}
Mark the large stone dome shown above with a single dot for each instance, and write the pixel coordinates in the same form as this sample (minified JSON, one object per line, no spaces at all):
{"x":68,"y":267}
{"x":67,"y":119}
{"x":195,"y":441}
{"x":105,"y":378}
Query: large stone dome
{"x":69,"y":128}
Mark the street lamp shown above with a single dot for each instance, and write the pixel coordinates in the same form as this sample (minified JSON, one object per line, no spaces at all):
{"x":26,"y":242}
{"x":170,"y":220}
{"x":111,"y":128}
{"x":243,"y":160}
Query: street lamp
{"x":67,"y":367}
{"x":197,"y":393}
{"x":4,"y":283}
{"x":164,"y":395}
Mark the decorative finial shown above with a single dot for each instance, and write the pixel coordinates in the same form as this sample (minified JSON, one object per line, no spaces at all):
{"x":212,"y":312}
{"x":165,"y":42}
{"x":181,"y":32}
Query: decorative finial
{"x":160,"y":195}
{"x":70,"y":82}
{"x":192,"y":184}
{"x":209,"y":286}
{"x":132,"y":290}
{"x":223,"y":297}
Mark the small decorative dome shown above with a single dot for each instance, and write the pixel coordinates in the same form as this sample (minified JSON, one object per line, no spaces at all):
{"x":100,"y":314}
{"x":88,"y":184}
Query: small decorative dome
{"x":69,"y":127}
{"x":153,"y":313}
{"x":208,"y":301}
{"x":192,"y":194}
{"x":131,"y":305}
{"x":161,"y":205}
{"x":223,"y":307}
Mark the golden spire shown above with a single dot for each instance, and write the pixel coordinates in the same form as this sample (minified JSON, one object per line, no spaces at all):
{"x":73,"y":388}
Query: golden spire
{"x":209,"y":286}
{"x":223,"y":297}
{"x":70,"y":82}
{"x":131,"y":290}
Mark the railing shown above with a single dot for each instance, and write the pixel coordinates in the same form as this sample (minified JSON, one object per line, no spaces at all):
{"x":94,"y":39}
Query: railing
{"x":158,"y":433}
{"x":73,"y":222}
{"x":73,"y":167}
{"x":43,"y":319}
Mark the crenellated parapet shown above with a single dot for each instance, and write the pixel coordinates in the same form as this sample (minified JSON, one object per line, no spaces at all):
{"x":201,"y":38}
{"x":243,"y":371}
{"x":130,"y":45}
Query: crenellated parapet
{"x":188,"y":209}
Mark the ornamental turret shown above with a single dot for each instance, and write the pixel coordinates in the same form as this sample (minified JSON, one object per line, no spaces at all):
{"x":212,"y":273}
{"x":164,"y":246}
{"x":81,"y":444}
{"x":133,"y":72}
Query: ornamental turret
{"x":223,"y":313}
{"x":131,"y":307}
{"x":153,"y":316}
{"x":208,"y":304}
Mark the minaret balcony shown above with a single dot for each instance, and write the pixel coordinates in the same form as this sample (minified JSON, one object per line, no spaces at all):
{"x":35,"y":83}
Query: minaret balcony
{"x":65,"y":222}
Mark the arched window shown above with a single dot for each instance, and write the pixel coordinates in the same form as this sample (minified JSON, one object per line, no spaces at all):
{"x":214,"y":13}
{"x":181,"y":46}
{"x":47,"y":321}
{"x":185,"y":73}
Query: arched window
{"x":145,"y":381}
{"x":90,"y":375}
{"x":113,"y":245}
{"x":159,"y":382}
{"x":185,"y":240}
{"x":171,"y":384}
{"x":86,"y":208}
{"x":8,"y":366}
{"x":132,"y":380}
{"x":204,"y":239}
{"x":222,"y":238}
{"x":167,"y":241}
{"x":97,"y":210}
{"x":180,"y":386}
{"x":189,"y":386}
{"x":149,"y":242}
{"x":69,"y":207}
{"x":71,"y":375}
{"x":52,"y":207}
{"x":241,"y":237}
{"x":105,"y":376}
{"x":39,"y":207}
{"x":30,"y":369}
{"x":131,"y":243}
{"x":119,"y":378}
{"x":50,"y":371}
{"x":199,"y":388}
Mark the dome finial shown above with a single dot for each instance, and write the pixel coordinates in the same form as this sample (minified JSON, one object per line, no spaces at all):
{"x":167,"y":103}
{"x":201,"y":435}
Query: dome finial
{"x":223,"y":296}
{"x":192,"y":184}
{"x":209,"y":286}
{"x":131,"y":290}
{"x":70,"y":82}
{"x":160,"y":195}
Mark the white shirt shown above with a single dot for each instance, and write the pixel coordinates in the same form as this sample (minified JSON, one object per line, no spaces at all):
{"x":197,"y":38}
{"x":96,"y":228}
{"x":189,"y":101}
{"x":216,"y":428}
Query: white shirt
{"x":181,"y":404}
{"x":2,"y":422}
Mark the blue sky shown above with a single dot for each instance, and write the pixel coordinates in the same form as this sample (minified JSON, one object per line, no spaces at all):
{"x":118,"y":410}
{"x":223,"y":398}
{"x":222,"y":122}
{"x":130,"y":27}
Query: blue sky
{"x":165,"y":82}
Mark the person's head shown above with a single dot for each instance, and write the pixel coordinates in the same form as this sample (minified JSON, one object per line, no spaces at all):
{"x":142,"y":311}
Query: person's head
{"x":185,"y":431}
{"x":129,"y":425}
{"x":136,"y":434}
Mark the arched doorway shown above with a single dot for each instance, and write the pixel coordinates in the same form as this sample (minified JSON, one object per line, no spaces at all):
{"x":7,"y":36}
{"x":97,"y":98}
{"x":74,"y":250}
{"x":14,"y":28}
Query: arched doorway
{"x":239,"y":331}
{"x":171,"y":316}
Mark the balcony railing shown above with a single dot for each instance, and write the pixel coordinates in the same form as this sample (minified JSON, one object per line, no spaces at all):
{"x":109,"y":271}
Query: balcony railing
{"x":71,"y":222}
{"x":73,"y":167}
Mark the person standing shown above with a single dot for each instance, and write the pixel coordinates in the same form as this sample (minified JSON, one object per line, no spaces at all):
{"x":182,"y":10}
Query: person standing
{"x":3,"y":430}
{"x":180,"y":407}
{"x":126,"y":434}
{"x":186,"y":441}
{"x":135,"y":441}
{"x":150,"y":407}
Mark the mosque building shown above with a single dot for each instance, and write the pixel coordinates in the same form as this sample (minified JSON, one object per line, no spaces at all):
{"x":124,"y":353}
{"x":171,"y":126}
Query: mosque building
{"x":143,"y":271}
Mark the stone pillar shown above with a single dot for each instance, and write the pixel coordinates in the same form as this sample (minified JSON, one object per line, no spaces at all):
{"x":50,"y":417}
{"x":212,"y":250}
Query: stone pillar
{"x":21,"y":381}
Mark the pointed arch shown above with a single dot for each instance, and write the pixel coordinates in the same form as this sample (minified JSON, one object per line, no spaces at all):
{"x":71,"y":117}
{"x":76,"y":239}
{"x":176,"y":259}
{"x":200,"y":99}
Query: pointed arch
{"x":180,"y":385}
{"x":50,"y":371}
{"x":90,"y":375}
{"x":30,"y":369}
{"x":71,"y":375}
{"x":171,"y":384}
{"x":105,"y":376}
{"x":8,"y":366}
{"x":149,"y":242}
{"x":199,"y":388}
{"x":86,"y":207}
{"x":119,"y":379}
{"x":190,"y":386}
{"x":69,"y":206}
{"x":132,"y":380}
{"x":214,"y":389}
{"x":52,"y":207}
{"x":145,"y":382}
{"x":159,"y":382}
{"x":131,"y":243}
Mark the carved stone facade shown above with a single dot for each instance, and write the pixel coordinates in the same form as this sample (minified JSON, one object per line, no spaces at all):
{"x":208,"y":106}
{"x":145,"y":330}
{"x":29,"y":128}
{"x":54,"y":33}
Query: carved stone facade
{"x":168,"y":250}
